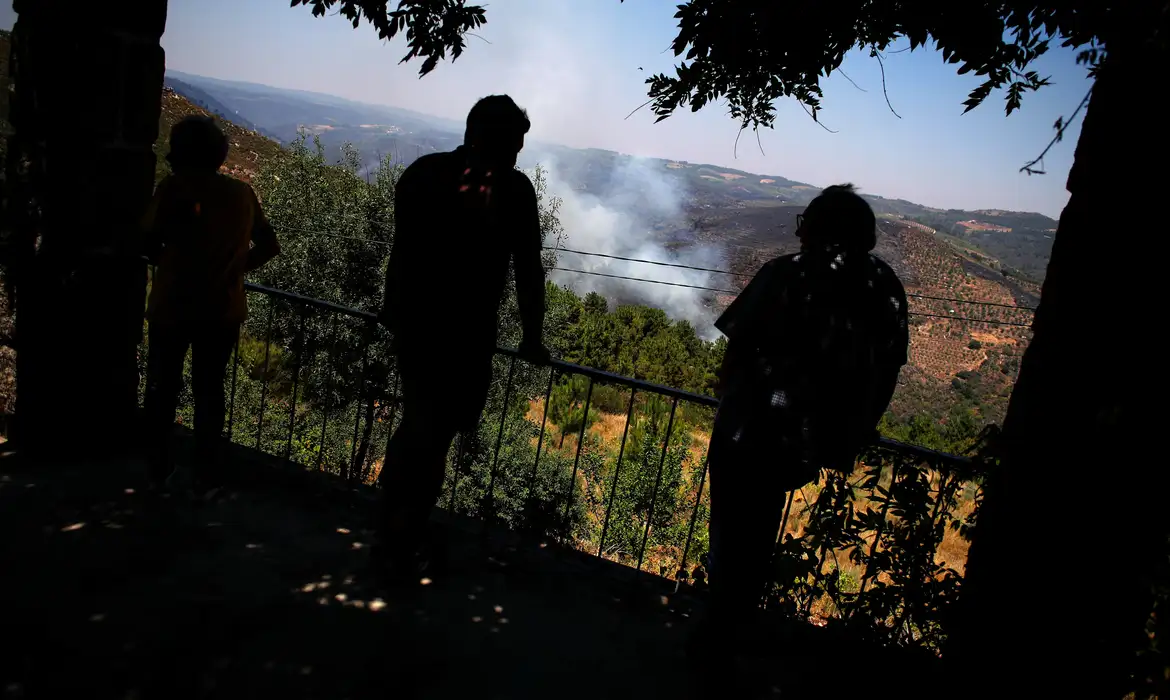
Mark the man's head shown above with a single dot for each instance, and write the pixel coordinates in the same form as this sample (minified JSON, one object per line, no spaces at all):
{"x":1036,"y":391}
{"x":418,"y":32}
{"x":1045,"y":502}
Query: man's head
{"x":495,"y":129}
{"x":197,"y":146}
{"x":838,"y":217}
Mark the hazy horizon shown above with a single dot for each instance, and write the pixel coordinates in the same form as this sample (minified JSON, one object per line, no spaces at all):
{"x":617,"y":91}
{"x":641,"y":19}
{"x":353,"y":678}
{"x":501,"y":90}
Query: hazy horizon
{"x":531,"y":147}
{"x":579,"y":68}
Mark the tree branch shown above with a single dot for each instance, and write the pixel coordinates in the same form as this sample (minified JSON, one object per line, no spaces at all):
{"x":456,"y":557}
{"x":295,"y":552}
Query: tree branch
{"x":639,"y":107}
{"x":882,"y":65}
{"x":1064,"y":124}
{"x":810,"y":116}
{"x":851,"y":80}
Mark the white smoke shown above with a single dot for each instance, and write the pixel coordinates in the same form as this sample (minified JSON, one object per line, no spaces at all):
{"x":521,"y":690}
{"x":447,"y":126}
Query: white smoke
{"x":617,"y":220}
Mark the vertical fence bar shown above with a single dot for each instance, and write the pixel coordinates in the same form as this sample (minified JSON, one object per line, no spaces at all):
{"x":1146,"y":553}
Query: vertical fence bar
{"x":837,"y":505}
{"x":877,"y":535}
{"x":331,"y":346}
{"x":490,"y":496}
{"x":576,"y":461}
{"x":232,"y":400}
{"x":925,"y":552}
{"x":292,"y":410}
{"x":552,"y":373}
{"x":617,"y":473}
{"x":657,"y":483}
{"x":816,"y":574}
{"x":367,"y":336}
{"x":682,"y":565}
{"x":784,"y":516}
{"x":264,"y":387}
{"x":389,"y":426}
{"x":455,"y":472}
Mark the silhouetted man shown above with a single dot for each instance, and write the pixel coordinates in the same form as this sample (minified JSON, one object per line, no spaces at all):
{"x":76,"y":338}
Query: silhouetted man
{"x":205,"y":231}
{"x":815,"y":344}
{"x":460,"y":218}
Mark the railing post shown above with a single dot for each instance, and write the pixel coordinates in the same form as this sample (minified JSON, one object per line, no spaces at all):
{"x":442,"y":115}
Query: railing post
{"x":489,"y":497}
{"x":576,"y":462}
{"x":390,"y":424}
{"x":455,"y":472}
{"x":292,"y":411}
{"x":617,"y":473}
{"x":682,"y":565}
{"x":235,"y":371}
{"x":552,"y":373}
{"x":784,"y":516}
{"x":264,"y":387}
{"x":877,"y":535}
{"x":330,"y":347}
{"x":657,"y":483}
{"x":367,"y":336}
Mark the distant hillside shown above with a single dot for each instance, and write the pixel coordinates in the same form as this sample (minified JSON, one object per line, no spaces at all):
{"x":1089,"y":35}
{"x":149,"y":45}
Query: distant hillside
{"x":1021,"y":242}
{"x":953,"y":361}
{"x":247,"y":148}
{"x":203,"y":99}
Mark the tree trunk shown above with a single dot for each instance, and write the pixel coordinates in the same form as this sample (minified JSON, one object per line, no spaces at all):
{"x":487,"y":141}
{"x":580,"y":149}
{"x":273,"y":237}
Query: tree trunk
{"x":86,"y":111}
{"x":1073,"y":522}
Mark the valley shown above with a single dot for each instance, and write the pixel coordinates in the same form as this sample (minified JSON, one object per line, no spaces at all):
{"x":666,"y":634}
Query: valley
{"x":966,"y":341}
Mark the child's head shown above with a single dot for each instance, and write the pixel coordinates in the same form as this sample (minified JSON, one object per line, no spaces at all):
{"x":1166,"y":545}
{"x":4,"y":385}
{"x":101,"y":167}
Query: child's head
{"x":197,"y":145}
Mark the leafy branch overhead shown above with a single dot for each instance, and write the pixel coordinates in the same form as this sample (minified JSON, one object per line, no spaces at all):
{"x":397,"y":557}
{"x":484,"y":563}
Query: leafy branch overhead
{"x":752,"y":53}
{"x":433,"y":27}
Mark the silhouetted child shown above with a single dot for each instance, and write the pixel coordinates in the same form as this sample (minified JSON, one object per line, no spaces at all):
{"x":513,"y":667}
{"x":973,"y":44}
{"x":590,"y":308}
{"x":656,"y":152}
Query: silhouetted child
{"x":460,"y":219}
{"x":815,"y":344}
{"x":205,"y":231}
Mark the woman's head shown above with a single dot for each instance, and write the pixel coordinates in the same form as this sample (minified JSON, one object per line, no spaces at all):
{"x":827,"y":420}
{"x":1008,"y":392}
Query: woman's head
{"x":838,"y":217}
{"x":197,"y":145}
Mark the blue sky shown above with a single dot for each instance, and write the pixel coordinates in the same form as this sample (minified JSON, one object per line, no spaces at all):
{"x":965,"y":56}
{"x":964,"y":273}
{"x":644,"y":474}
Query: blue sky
{"x":575,"y":65}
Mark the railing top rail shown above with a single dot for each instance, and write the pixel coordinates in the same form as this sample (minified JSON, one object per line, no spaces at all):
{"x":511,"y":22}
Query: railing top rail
{"x":640,"y":385}
{"x":311,"y":302}
{"x":924,"y":453}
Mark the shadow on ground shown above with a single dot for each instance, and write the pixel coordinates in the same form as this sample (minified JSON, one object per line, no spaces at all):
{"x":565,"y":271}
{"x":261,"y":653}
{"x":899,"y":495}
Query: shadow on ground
{"x":113,"y":592}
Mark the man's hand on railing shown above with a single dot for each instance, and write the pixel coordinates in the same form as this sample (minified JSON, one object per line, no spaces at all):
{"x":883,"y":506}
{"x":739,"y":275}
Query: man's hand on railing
{"x":534,"y":352}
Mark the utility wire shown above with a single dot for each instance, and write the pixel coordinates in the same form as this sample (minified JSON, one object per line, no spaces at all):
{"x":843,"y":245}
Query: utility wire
{"x":651,"y":262}
{"x":973,"y":320}
{"x":742,"y":274}
{"x":728,"y":291}
{"x":639,"y":279}
{"x":667,"y":264}
{"x":980,"y":303}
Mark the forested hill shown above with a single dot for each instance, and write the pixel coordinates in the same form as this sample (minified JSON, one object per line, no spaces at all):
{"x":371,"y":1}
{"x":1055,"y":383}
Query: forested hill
{"x":209,"y":103}
{"x":712,"y":198}
{"x":960,"y":372}
{"x":248,"y":150}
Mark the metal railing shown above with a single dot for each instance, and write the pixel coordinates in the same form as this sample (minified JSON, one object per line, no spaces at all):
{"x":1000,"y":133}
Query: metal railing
{"x":644,"y":504}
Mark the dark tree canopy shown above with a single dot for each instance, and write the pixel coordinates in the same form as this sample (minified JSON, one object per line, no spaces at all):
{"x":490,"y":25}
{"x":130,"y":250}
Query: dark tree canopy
{"x":754,"y":52}
{"x":433,"y":27}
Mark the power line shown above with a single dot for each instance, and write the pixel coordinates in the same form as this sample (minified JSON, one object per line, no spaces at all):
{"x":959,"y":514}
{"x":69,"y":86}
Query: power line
{"x":980,"y":303}
{"x":667,"y":264}
{"x":639,"y":279}
{"x":650,"y":262}
{"x":741,"y":274}
{"x":728,"y":291}
{"x":972,"y":320}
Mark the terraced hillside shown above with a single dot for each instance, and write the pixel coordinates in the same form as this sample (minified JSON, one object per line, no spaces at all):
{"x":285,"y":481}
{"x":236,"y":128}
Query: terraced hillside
{"x":962,"y":355}
{"x":247,"y":148}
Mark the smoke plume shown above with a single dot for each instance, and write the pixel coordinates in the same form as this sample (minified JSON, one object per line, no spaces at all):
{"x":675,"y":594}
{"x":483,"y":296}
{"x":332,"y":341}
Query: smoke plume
{"x":633,"y":211}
